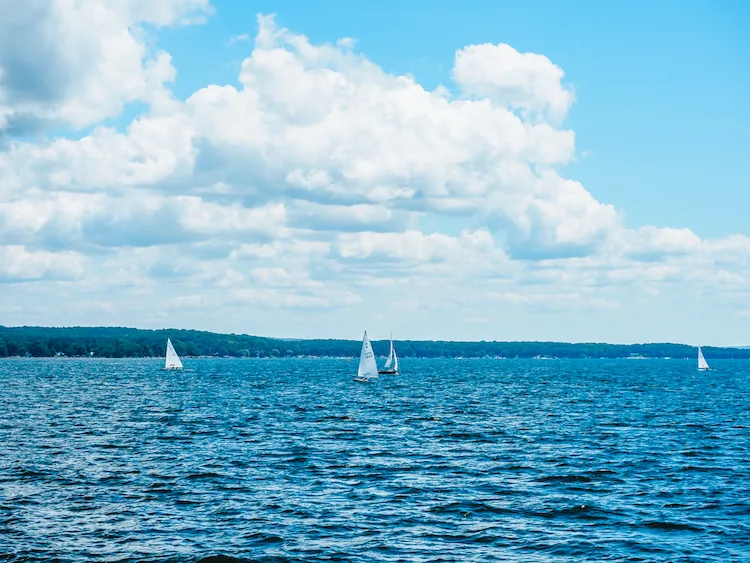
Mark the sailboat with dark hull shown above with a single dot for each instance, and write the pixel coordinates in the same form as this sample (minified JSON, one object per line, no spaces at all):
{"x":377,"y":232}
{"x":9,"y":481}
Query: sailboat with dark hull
{"x":391,"y":364}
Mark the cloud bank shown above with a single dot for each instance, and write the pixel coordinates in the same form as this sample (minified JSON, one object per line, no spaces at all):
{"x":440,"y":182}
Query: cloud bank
{"x":319,"y":186}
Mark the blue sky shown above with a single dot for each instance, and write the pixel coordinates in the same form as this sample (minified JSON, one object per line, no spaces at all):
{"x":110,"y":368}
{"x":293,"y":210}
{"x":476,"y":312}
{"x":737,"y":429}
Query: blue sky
{"x":170,"y":169}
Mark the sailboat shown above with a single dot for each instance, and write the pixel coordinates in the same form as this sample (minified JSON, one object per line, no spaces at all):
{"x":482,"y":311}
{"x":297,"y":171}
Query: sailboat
{"x":391,"y":364}
{"x":702,"y":363}
{"x":172,"y":360}
{"x":368,"y":367}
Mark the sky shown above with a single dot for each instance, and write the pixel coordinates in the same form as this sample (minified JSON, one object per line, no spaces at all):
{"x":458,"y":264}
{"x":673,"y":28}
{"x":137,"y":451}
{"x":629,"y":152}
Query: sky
{"x":438,"y":170}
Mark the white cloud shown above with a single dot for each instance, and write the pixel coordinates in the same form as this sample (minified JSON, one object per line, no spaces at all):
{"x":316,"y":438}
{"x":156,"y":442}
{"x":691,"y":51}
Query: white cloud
{"x":554,"y":301}
{"x":278,"y":249}
{"x":280,"y":277}
{"x":414,"y":246}
{"x":519,"y":80}
{"x":183,"y":302}
{"x":138,"y":219}
{"x":77,"y":62}
{"x":652,"y":243}
{"x":19,"y":264}
{"x":280,"y":299}
{"x":199,"y":216}
{"x":355,"y":217}
{"x":346,"y":43}
{"x":321,"y":181}
{"x":155,"y":150}
{"x":241,"y":38}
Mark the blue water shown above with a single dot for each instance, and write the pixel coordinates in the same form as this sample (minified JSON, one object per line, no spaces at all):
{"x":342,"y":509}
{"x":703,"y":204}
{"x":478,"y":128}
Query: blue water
{"x":454,"y":460}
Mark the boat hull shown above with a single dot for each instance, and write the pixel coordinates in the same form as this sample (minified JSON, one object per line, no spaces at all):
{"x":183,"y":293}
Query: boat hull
{"x":388,"y":371}
{"x":361,"y":379}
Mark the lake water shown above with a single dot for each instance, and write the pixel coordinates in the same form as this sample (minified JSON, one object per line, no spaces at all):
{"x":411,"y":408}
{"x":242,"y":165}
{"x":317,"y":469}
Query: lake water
{"x":454,"y":460}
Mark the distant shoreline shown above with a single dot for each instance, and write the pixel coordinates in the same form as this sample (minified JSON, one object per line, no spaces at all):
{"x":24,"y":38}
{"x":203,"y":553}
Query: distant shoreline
{"x":122,"y":342}
{"x":349,"y":358}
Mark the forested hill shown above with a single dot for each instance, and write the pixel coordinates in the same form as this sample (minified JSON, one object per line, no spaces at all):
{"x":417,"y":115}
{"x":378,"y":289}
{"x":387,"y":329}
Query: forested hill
{"x":115,"y":342}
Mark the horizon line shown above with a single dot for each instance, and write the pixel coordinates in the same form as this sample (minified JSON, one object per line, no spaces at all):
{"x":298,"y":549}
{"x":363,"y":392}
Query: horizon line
{"x":290,"y":338}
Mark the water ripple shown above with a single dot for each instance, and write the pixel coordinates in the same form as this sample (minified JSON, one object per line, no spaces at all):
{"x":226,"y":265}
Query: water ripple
{"x":237,"y":461}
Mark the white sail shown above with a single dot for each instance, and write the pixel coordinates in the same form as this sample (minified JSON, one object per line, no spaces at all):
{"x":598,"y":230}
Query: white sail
{"x":368,"y":367}
{"x":702,"y":363}
{"x":173,"y":360}
{"x":389,"y":361}
{"x":395,"y":362}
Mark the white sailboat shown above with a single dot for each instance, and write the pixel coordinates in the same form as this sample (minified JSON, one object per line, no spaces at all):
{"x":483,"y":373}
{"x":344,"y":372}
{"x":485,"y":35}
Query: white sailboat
{"x":391,"y":364}
{"x":702,"y":363}
{"x":172,"y":361}
{"x":368,"y":367}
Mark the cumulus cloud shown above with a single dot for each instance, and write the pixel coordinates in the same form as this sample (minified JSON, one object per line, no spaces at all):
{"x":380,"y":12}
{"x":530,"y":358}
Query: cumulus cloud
{"x":509,"y":78}
{"x":414,"y":246}
{"x":654,"y":244}
{"x":19,"y":264}
{"x":94,"y":220}
{"x":320,"y":180}
{"x":76,"y":62}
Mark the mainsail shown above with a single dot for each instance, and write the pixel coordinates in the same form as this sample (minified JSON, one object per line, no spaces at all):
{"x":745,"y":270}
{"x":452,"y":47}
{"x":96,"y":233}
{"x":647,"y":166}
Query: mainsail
{"x":368,"y":367}
{"x":702,"y":363}
{"x":172,"y":360}
{"x":391,"y":364}
{"x":391,"y":354}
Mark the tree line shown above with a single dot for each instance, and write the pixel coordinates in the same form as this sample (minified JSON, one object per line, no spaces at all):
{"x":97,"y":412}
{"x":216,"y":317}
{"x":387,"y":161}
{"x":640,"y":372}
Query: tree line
{"x":117,"y":342}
